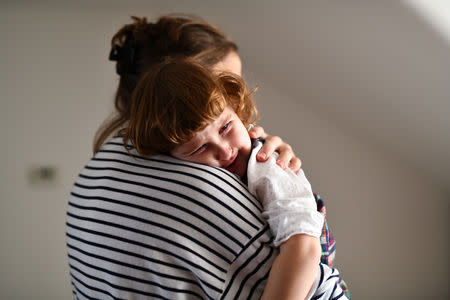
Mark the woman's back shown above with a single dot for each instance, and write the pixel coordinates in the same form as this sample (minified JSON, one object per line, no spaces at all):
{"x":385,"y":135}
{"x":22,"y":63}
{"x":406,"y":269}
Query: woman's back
{"x":160,"y":227}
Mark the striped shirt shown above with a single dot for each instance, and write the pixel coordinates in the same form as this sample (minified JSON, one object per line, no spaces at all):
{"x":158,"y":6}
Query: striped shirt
{"x":163,"y":228}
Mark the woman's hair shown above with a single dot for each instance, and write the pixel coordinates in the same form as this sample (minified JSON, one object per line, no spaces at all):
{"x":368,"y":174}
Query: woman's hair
{"x":177,"y":98}
{"x":138,"y":46}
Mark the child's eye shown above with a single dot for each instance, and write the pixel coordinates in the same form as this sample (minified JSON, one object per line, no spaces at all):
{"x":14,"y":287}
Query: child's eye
{"x":199,"y":150}
{"x":225,"y":128}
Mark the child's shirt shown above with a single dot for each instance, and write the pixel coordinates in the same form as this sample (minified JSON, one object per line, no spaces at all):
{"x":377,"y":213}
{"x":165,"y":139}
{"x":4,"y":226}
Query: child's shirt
{"x":287,"y":198}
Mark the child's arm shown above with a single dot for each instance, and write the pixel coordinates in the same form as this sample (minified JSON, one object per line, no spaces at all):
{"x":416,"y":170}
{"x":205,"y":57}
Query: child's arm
{"x":291,"y":211}
{"x":293,"y":271}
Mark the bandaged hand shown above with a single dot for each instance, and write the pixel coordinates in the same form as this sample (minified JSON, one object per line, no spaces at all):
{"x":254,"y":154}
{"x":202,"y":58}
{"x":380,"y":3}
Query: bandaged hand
{"x":287,"y":198}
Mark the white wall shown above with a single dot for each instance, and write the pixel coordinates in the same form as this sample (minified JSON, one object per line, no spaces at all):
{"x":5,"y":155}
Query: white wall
{"x":390,"y":222}
{"x":56,"y":89}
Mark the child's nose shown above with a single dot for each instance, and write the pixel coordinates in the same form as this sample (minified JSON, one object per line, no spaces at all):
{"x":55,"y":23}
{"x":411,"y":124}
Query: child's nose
{"x":225,"y":152}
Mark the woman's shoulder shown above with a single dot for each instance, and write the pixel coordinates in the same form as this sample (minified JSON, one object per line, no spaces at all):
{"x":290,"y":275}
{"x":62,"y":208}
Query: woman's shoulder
{"x":197,"y":193}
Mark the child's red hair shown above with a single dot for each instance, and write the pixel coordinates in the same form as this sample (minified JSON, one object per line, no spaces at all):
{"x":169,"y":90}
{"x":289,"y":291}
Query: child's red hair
{"x":179,"y":97}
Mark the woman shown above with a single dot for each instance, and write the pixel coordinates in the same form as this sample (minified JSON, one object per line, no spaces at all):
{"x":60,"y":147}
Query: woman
{"x":140,"y":227}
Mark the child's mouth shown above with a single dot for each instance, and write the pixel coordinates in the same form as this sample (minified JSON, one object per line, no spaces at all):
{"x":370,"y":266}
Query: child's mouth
{"x":232,"y":166}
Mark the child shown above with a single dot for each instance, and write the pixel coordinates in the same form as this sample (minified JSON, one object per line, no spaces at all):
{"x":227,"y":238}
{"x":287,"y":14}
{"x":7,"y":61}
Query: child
{"x":186,"y":111}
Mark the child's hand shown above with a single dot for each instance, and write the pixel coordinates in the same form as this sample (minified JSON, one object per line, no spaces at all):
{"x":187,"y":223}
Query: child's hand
{"x":275,"y":143}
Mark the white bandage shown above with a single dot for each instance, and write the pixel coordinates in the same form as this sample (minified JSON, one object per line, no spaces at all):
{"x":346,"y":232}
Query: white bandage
{"x":288,"y":201}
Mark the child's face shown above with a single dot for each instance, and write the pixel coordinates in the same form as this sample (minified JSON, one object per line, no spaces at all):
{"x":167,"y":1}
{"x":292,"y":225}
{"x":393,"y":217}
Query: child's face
{"x":224,"y":143}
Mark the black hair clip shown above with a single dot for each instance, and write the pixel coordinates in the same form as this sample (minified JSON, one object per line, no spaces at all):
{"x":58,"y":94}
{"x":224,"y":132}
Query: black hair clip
{"x":125,"y":56}
{"x":114,"y":55}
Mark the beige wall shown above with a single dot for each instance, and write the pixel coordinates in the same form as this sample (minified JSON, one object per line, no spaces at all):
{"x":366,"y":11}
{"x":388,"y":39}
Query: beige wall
{"x":390,"y":221}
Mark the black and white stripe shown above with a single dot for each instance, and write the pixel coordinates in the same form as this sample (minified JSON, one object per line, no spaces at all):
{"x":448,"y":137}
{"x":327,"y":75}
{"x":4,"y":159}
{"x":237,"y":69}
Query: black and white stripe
{"x":328,"y":287}
{"x":162,"y":228}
